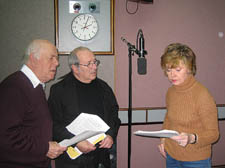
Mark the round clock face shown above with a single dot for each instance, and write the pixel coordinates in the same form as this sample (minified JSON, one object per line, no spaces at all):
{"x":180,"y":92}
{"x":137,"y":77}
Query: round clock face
{"x":84,"y":27}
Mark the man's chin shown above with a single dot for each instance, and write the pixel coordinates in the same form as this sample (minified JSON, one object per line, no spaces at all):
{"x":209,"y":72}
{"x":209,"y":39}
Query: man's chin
{"x":52,"y":76}
{"x":93,"y":77}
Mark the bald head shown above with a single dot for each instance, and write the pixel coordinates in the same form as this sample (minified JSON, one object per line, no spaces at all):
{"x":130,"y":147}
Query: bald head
{"x":41,"y":57}
{"x":34,"y":48}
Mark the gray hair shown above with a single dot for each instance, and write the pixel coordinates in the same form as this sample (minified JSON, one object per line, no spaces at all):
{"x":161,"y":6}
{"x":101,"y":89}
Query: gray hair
{"x":73,"y":59}
{"x":33,"y":48}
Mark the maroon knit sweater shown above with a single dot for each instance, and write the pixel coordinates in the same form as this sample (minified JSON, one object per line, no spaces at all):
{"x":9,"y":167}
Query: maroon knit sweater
{"x":25,"y":124}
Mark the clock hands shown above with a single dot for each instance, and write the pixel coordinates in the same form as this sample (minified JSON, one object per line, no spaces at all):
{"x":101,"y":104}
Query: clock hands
{"x":85,"y":25}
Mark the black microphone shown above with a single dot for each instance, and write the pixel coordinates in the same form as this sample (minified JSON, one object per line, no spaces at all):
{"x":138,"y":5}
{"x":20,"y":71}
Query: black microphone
{"x":141,"y":61}
{"x":128,"y":44}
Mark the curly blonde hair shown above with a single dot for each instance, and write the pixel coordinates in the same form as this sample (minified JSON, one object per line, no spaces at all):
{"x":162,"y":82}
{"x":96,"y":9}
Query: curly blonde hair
{"x":175,"y":53}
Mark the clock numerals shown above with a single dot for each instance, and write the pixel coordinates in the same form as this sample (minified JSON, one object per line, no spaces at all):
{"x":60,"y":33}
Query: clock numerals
{"x":84,"y":27}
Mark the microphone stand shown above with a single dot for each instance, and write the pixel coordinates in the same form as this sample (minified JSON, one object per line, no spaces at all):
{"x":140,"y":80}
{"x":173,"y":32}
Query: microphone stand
{"x":131,"y":50}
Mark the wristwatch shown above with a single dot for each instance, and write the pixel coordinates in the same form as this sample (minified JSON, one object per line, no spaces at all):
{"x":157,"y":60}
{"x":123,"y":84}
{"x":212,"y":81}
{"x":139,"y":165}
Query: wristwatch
{"x":195,"y":140}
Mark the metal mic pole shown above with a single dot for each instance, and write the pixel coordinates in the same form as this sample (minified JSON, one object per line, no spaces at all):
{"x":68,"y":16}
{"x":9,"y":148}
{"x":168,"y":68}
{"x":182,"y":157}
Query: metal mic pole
{"x":130,"y":105}
{"x":131,"y":50}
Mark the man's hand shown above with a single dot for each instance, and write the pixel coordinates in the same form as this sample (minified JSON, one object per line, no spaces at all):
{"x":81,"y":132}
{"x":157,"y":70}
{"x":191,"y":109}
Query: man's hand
{"x":107,"y":142}
{"x":55,"y":150}
{"x":85,"y":146}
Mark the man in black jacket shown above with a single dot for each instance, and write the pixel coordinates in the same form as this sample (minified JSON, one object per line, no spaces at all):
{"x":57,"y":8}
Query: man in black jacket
{"x":81,"y":91}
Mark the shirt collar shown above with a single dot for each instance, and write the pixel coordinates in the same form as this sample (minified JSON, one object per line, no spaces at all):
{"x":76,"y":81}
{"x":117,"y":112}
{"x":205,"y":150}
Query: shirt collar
{"x":31,"y":76}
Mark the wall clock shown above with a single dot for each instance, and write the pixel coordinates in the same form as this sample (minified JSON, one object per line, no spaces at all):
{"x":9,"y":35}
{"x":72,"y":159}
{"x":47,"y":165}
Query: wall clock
{"x":88,"y":23}
{"x":84,"y":27}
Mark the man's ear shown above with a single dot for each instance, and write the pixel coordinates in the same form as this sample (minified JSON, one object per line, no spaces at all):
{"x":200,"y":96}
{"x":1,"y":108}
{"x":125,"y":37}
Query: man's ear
{"x":75,"y":69}
{"x":32,"y":60}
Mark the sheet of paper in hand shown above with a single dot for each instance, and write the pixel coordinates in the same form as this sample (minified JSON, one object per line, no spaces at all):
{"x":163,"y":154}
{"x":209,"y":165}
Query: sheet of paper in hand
{"x":86,"y":126}
{"x":160,"y":134}
{"x":80,"y":137}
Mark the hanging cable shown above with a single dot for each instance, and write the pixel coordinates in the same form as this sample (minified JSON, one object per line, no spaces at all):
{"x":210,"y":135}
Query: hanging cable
{"x":129,"y":11}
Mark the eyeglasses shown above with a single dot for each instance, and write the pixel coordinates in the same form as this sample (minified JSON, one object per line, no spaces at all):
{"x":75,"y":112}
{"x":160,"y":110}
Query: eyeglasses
{"x":90,"y":64}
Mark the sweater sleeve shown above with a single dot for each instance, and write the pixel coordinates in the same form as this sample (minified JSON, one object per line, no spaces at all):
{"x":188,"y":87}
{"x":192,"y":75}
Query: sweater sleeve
{"x":209,"y":119}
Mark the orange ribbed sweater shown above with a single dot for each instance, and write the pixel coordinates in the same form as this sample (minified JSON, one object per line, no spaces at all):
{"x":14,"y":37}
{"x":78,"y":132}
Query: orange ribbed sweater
{"x":191,"y":109}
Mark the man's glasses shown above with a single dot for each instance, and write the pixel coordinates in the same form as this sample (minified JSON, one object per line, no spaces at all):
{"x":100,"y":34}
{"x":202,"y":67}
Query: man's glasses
{"x":90,"y":64}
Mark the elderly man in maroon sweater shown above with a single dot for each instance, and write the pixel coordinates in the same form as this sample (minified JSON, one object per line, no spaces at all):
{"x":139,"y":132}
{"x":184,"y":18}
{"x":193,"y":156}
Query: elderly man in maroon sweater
{"x":25,"y":123}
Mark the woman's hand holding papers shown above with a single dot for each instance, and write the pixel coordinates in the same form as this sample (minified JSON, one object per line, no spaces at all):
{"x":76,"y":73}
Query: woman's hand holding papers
{"x":183,"y":139}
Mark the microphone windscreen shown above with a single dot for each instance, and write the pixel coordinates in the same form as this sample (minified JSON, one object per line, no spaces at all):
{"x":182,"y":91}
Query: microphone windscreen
{"x":142,"y":65}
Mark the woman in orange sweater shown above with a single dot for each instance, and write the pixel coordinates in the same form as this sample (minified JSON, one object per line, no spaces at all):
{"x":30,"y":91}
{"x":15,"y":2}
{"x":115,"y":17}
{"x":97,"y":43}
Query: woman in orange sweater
{"x":191,"y":111}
